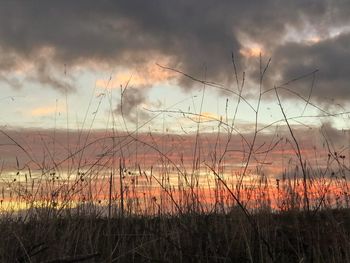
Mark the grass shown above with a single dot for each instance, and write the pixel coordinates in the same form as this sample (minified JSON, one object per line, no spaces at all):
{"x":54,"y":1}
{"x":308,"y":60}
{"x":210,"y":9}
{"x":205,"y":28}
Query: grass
{"x":292,"y":237}
{"x":146,"y":197}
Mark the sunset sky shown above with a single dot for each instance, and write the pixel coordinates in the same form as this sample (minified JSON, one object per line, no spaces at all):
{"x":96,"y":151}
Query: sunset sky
{"x":131,"y":65}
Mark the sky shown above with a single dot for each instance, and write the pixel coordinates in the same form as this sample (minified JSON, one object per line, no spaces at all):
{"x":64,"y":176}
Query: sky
{"x":174,"y":66}
{"x":64,"y":62}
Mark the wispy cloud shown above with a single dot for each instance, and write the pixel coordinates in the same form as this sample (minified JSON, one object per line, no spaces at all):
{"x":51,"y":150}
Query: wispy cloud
{"x":271,"y":150}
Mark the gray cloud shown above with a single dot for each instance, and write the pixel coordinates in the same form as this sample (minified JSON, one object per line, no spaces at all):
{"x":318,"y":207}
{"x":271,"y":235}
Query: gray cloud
{"x":331,"y":57}
{"x":46,"y":77}
{"x":11,"y":81}
{"x":129,"y":105}
{"x":194,"y":34}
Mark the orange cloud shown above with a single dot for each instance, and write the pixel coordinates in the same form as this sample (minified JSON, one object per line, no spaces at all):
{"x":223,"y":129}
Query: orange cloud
{"x":146,"y":75}
{"x":314,"y":40}
{"x":44,"y":111}
{"x":207,"y":116}
{"x":253,"y":51}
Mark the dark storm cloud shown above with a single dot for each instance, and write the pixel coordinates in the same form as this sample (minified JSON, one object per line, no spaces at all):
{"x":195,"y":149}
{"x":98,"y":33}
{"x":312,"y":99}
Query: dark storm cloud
{"x":331,"y":57}
{"x":197,"y":36}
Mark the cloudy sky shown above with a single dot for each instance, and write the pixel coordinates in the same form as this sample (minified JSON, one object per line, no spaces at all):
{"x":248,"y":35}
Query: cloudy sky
{"x":83,"y":64}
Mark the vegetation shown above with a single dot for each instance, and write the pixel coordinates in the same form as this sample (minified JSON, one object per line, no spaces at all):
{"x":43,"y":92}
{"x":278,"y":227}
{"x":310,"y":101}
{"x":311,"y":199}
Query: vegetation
{"x":285,"y":237}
